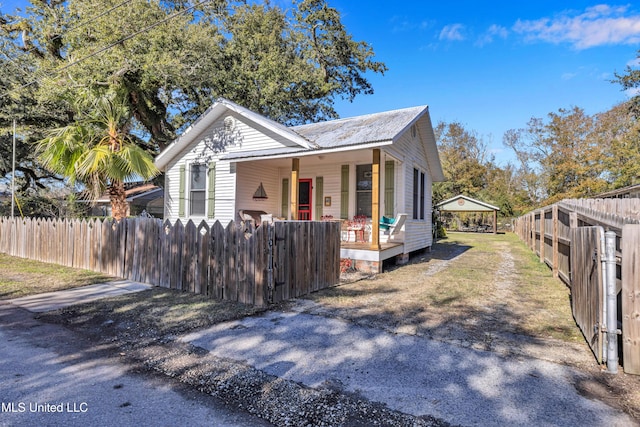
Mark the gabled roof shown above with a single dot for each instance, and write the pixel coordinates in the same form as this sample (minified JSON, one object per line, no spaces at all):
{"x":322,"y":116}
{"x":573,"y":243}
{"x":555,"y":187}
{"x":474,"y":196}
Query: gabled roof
{"x":367,"y":131}
{"x":386,"y":126}
{"x":462,"y":203}
{"x":218,"y":109}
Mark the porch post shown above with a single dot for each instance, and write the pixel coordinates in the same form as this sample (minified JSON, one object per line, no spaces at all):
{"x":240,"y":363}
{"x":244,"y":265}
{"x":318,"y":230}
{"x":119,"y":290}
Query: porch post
{"x":495,"y":222}
{"x":375,"y":200}
{"x":295,"y":172}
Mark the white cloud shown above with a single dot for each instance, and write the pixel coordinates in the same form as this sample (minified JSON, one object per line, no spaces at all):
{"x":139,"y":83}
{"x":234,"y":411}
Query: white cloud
{"x":596,"y":26}
{"x":632,"y":92}
{"x":452,"y":32}
{"x":400,"y":24}
{"x":635,"y":62}
{"x":568,"y":76}
{"x":491,"y":33}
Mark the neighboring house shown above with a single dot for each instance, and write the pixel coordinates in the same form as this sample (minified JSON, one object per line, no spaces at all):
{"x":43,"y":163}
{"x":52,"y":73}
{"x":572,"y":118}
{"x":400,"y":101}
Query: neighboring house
{"x":233,"y":159}
{"x":630,"y":192}
{"x":141,"y":196}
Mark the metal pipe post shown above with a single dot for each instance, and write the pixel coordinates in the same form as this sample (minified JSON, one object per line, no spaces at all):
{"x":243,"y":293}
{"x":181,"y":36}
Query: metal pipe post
{"x":612,"y":311}
{"x":603,"y":290}
{"x":13,"y":172}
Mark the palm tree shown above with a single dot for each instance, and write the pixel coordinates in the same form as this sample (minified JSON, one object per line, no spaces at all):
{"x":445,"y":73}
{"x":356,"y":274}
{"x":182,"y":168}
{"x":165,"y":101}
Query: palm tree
{"x":99,"y":152}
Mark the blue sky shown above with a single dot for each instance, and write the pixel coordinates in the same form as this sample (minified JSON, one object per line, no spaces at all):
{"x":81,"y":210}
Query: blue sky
{"x":494,"y":65}
{"x":489,"y":65}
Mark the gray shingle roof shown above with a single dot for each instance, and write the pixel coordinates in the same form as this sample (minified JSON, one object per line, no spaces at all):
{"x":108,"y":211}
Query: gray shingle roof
{"x":360,"y":130}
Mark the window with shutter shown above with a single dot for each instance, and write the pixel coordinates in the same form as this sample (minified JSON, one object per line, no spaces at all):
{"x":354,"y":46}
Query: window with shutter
{"x":319,"y":197}
{"x":211,"y":191}
{"x":389,"y":188}
{"x":197,"y":189}
{"x":344,"y":192}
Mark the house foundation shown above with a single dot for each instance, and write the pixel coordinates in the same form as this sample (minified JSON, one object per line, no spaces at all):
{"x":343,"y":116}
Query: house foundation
{"x":402,"y":259}
{"x":369,"y":267}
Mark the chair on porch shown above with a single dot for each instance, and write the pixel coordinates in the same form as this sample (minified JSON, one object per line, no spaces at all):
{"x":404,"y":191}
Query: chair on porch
{"x":357,"y":225}
{"x":251,"y":219}
{"x":392,"y":226}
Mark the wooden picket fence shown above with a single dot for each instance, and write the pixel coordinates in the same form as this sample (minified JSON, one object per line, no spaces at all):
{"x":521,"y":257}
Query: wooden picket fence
{"x":271,"y":263}
{"x":564,"y":237}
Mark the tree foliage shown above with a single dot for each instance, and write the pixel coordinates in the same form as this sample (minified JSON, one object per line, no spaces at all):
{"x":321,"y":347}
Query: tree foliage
{"x":618,"y":133}
{"x":171,"y":59}
{"x":174,"y":59}
{"x":98,"y":151}
{"x":574,"y":155}
{"x":464,"y":161}
{"x":630,"y":82}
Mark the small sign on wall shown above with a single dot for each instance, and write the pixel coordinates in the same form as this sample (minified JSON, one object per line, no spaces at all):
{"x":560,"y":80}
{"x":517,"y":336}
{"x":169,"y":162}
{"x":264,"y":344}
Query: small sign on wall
{"x":327,"y":201}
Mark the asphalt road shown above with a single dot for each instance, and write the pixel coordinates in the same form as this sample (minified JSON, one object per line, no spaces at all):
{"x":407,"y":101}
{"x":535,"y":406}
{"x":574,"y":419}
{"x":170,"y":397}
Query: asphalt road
{"x":410,"y":374}
{"x":50,"y":377}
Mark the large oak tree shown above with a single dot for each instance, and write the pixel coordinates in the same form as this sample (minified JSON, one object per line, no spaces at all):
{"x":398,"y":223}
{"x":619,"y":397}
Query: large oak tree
{"x":172,"y":59}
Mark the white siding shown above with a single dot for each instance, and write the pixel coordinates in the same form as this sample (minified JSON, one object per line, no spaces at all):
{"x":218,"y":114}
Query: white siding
{"x":249,"y":176}
{"x":331,"y":186}
{"x":418,"y":233}
{"x":330,"y":174}
{"x":245,"y":138}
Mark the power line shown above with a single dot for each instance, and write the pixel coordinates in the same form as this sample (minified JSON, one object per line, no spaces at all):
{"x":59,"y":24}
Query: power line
{"x":82,"y":24}
{"x":107,"y":47}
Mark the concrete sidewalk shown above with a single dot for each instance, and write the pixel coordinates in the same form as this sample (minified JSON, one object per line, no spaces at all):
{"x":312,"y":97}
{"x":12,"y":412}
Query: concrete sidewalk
{"x":50,"y":301}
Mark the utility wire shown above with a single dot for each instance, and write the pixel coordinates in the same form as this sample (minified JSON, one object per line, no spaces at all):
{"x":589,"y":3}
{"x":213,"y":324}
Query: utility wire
{"x":107,"y":47}
{"x":80,"y":25}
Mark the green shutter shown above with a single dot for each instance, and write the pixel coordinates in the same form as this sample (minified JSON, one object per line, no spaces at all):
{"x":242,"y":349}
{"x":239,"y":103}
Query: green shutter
{"x":344,"y":192}
{"x":319,"y":197}
{"x":285,"y":198}
{"x":389,"y":188}
{"x":211,"y":199}
{"x":183,"y":173}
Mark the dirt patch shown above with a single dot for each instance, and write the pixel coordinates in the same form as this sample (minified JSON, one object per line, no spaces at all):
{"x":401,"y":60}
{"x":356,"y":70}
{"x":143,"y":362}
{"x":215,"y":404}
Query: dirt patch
{"x":479,"y":291}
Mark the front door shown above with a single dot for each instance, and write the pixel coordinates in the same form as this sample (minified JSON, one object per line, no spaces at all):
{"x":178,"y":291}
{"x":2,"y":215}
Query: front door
{"x":304,"y":199}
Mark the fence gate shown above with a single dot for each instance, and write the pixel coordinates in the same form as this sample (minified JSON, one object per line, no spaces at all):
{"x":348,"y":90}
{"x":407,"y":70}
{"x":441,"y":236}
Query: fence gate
{"x":586,"y":286}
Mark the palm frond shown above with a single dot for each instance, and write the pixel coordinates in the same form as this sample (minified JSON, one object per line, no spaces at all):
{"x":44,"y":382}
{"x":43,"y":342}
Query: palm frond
{"x":98,"y":151}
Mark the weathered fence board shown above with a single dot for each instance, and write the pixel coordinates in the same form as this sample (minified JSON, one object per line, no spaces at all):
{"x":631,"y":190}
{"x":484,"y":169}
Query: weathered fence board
{"x":217,"y":261}
{"x":631,"y":298}
{"x":574,"y":261}
{"x":586,"y":286}
{"x":272,"y":263}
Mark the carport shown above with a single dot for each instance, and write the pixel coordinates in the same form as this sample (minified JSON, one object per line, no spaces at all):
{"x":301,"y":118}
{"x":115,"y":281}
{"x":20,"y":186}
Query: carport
{"x":466,"y":204}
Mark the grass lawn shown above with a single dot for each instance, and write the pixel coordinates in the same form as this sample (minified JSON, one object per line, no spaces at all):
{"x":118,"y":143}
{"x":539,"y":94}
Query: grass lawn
{"x":21,"y":277}
{"x":470,"y":287}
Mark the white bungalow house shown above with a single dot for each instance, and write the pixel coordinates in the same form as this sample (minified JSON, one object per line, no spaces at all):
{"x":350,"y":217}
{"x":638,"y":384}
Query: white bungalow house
{"x":233,"y":160}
